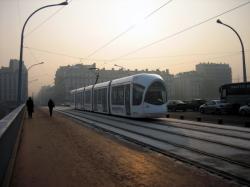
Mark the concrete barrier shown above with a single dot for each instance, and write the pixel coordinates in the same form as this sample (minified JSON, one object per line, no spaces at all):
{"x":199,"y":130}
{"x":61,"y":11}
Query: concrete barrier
{"x":9,"y":128}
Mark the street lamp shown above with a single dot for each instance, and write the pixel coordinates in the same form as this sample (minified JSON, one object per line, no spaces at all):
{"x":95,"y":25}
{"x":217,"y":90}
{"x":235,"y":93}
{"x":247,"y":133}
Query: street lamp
{"x":97,"y":74}
{"x":119,"y":66}
{"x":21,"y":49}
{"x":242,"y":46}
{"x":28,"y":74}
{"x":34,"y":65}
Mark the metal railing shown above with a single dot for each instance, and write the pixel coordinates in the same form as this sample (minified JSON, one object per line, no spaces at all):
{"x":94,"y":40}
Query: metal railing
{"x":9,"y":128}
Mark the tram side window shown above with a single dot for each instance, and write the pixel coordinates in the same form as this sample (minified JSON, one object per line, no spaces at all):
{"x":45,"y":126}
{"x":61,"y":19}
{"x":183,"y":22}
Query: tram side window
{"x":117,"y":95}
{"x":137,"y":94}
{"x":104,"y":99}
{"x":82,"y":97}
{"x":88,"y":97}
{"x":156,"y":94}
{"x":78,"y":97}
{"x":99,"y":100}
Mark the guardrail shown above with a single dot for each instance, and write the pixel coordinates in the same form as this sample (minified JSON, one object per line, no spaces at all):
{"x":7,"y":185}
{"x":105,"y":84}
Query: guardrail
{"x":9,"y":128}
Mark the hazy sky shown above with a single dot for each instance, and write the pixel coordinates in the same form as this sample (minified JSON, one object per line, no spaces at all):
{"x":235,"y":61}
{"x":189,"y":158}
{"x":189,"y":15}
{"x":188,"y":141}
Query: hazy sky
{"x":84,"y":26}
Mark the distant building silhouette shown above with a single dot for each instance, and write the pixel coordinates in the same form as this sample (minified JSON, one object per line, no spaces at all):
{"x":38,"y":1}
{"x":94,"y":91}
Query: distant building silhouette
{"x":9,"y":82}
{"x":8,"y":87}
{"x":71,"y":77}
{"x":204,"y":82}
{"x":213,"y":76}
{"x":45,"y":93}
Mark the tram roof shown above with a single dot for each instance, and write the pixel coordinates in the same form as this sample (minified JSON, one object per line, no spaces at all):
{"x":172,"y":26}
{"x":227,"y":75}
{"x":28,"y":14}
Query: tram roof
{"x":144,"y":77}
{"x":102,"y":84}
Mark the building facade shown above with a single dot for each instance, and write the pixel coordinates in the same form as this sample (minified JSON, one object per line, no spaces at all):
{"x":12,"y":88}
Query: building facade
{"x":9,"y":82}
{"x":68,"y":78}
{"x":203,"y":83}
{"x":187,"y":86}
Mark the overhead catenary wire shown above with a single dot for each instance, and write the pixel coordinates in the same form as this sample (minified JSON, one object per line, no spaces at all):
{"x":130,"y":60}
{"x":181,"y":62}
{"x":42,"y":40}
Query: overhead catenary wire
{"x":32,"y":55}
{"x":127,"y":30}
{"x":46,"y":20}
{"x":60,"y":54}
{"x":180,"y":55}
{"x":179,"y":32}
{"x":138,"y":58}
{"x":206,"y":60}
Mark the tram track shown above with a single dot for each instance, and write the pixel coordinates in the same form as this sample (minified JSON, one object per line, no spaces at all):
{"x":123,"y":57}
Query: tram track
{"x":169,"y":132}
{"x":174,"y":123}
{"x":154,"y":125}
{"x":188,"y":126}
{"x":229,"y":168}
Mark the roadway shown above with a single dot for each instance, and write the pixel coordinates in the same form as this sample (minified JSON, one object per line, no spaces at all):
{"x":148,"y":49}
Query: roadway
{"x":60,"y":151}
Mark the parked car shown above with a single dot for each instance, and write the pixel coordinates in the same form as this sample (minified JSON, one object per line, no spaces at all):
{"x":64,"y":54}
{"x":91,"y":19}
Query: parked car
{"x":174,"y":105}
{"x":216,"y":107}
{"x":245,"y":110}
{"x":195,"y":104}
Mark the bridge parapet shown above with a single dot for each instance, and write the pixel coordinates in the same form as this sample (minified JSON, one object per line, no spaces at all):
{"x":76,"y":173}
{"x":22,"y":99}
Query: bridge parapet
{"x":9,"y":128}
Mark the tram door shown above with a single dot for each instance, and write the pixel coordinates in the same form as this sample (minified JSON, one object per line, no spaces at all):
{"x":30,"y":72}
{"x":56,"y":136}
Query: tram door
{"x":127,"y":99}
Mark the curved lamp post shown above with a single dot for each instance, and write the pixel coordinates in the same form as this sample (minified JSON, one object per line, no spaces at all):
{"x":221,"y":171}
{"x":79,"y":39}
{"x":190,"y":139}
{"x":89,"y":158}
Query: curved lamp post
{"x":122,"y":68}
{"x":28,"y":71}
{"x":242,"y":46}
{"x":97,"y":74}
{"x":21,"y":49}
{"x":34,"y":65}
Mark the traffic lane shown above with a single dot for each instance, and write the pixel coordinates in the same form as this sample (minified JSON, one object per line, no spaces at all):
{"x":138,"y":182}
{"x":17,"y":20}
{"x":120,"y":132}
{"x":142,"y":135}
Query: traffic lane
{"x":229,"y":119}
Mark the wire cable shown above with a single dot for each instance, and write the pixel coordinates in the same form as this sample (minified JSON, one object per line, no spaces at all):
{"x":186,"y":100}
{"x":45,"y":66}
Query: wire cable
{"x":46,"y":20}
{"x":33,"y":56}
{"x":206,"y":60}
{"x":136,"y":58}
{"x":61,"y":54}
{"x":179,"y":32}
{"x":127,"y":30}
{"x":181,"y":55}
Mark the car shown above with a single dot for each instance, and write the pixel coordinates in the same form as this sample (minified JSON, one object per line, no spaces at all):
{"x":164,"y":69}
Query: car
{"x":216,"y":107}
{"x":195,"y":104}
{"x":245,"y":110}
{"x":174,"y":105}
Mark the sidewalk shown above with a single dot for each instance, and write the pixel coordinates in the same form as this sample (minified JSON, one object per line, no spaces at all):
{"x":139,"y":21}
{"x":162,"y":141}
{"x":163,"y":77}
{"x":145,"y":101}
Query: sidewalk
{"x":58,"y":152}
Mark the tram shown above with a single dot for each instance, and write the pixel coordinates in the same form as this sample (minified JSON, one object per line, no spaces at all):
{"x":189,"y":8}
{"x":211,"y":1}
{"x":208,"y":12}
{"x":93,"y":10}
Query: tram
{"x":137,"y":96}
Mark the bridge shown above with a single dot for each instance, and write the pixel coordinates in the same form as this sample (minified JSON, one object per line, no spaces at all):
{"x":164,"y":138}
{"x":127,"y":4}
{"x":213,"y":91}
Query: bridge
{"x":76,"y":148}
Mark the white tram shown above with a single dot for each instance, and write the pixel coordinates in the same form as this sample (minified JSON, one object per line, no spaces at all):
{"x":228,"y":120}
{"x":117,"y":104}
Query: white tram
{"x":136,"y":96}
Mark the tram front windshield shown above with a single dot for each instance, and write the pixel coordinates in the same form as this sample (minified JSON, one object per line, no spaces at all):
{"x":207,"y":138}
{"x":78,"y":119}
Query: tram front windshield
{"x":156,"y":94}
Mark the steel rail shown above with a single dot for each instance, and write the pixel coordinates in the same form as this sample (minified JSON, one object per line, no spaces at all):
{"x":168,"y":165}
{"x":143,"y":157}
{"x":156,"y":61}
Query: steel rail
{"x":169,"y":142}
{"x":166,"y":131}
{"x":189,"y":128}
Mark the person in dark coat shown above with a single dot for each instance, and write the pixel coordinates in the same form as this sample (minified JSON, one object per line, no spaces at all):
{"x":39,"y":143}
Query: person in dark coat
{"x":51,"y":105}
{"x":30,"y":107}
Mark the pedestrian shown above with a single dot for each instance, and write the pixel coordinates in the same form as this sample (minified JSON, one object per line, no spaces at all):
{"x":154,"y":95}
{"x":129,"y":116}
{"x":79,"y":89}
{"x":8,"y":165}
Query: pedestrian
{"x":51,"y":105}
{"x":30,"y":107}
